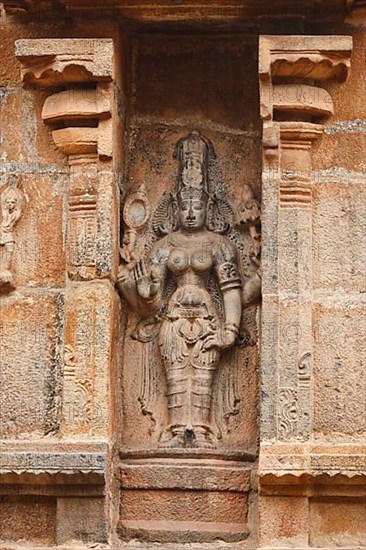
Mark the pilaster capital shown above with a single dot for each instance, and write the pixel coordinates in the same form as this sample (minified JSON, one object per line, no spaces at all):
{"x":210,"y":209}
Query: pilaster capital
{"x":54,"y":62}
{"x":288,"y":66}
{"x":79,"y":116}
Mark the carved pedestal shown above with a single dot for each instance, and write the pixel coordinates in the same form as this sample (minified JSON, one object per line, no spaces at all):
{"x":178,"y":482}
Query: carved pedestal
{"x":185,"y":497}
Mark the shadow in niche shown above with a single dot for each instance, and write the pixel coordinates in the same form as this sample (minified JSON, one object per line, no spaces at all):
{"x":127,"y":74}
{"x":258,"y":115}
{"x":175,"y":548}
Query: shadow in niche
{"x":179,"y":493}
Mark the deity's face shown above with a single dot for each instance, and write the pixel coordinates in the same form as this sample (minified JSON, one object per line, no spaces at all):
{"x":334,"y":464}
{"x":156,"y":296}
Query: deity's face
{"x":11,"y":203}
{"x":192,"y":213}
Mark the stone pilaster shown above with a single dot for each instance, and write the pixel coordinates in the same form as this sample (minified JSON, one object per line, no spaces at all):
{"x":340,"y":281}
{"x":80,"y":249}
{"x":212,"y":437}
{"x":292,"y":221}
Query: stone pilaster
{"x":80,"y":117}
{"x":293,"y":108}
{"x":292,"y":111}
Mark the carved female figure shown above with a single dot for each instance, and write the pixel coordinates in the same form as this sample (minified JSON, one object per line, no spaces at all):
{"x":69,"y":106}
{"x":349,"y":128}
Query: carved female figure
{"x":193,"y":332}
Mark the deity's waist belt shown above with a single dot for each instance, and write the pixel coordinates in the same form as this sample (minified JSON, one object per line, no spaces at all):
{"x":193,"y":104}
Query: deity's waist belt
{"x":186,"y":311}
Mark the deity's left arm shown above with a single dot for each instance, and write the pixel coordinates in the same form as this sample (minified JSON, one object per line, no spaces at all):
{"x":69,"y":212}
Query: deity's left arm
{"x":230,"y":285}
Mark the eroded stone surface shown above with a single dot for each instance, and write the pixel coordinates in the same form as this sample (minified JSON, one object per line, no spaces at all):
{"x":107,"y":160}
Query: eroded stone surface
{"x":31,"y":369}
{"x":81,"y":459}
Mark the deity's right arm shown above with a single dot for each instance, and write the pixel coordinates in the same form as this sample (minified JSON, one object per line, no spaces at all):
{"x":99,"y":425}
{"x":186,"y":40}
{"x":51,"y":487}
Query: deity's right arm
{"x":126,"y":285}
{"x":155,"y":270}
{"x":142,"y":282}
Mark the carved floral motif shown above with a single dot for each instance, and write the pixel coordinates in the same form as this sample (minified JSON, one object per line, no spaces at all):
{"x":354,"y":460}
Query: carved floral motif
{"x":288,"y":413}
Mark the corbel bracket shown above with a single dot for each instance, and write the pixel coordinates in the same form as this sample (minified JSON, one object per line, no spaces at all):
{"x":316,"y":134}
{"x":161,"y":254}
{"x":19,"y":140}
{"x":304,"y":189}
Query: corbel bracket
{"x":79,"y":115}
{"x":288,"y":68}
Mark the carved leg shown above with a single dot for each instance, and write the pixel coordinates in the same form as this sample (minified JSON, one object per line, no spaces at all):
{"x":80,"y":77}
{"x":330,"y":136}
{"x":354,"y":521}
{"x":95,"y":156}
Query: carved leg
{"x":202,"y":383}
{"x":178,"y":406}
{"x":6,"y":276}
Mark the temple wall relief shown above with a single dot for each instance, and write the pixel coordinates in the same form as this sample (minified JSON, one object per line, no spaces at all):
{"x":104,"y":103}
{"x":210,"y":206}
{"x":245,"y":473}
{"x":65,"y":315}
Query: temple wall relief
{"x":181,"y":284}
{"x":185,"y":314}
{"x":190,"y":266}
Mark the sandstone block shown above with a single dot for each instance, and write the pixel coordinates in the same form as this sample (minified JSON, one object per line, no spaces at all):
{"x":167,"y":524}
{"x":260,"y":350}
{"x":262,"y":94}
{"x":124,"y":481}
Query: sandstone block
{"x":283,"y":522}
{"x":337,"y":522}
{"x":30,"y":340}
{"x":81,"y":519}
{"x":27,"y":518}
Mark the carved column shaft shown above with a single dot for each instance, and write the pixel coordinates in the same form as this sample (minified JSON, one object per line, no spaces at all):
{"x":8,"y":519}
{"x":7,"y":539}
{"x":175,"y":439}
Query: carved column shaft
{"x":291,"y":111}
{"x":294,"y":404}
{"x":80,"y":119}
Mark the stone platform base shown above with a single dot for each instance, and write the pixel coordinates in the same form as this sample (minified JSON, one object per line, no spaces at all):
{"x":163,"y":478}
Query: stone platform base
{"x":187,"y":500}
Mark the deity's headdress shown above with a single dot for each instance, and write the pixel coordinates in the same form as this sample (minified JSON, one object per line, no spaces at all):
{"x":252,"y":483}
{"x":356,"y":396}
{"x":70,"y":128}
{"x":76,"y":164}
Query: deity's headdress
{"x":11,"y":193}
{"x":193,"y":153}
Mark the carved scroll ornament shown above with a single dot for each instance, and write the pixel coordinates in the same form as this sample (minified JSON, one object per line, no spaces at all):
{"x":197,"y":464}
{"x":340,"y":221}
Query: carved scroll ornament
{"x":187,"y":289}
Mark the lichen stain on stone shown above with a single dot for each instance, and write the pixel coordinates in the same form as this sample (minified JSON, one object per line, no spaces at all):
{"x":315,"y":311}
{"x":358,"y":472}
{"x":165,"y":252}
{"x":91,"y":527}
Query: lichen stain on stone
{"x":348,"y":126}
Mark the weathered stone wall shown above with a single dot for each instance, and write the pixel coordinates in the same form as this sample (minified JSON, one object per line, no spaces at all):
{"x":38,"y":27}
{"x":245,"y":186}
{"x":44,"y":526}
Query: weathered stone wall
{"x":339,"y":233}
{"x":57,"y":335}
{"x":69,"y":389}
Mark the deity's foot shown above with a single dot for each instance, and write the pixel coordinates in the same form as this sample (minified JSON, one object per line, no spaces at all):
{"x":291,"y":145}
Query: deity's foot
{"x":188,"y":438}
{"x":175,"y":442}
{"x":6,"y":277}
{"x":203,"y":440}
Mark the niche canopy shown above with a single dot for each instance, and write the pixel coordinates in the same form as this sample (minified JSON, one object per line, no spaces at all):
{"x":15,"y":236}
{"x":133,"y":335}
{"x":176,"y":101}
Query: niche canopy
{"x":197,"y":10}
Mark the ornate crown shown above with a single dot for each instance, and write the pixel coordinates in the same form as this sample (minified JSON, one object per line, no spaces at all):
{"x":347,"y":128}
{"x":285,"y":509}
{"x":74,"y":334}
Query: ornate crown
{"x":188,"y":192}
{"x":193,"y":152}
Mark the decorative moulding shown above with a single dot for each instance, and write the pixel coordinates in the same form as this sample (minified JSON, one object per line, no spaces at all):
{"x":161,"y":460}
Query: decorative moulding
{"x":80,"y":118}
{"x":52,"y":463}
{"x":50,"y":62}
{"x":53,"y":459}
{"x":86,"y":104}
{"x":290,"y":460}
{"x":302,"y":99}
{"x":84,"y":107}
{"x":311,"y":58}
{"x":195,"y":10}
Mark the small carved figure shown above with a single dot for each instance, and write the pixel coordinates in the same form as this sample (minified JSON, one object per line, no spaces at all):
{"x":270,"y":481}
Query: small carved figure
{"x":193,"y":331}
{"x":11,"y":202}
{"x":250,"y":213}
{"x":250,"y":218}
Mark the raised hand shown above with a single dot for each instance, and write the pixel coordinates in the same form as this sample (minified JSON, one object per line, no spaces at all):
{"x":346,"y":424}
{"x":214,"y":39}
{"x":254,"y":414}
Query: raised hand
{"x":147,"y":285}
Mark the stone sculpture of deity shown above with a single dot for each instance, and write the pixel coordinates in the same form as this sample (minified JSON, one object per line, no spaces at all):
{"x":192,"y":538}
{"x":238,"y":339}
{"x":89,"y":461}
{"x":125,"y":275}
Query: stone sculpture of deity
{"x":193,"y":331}
{"x":11,"y":201}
